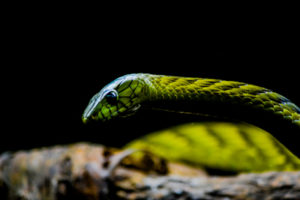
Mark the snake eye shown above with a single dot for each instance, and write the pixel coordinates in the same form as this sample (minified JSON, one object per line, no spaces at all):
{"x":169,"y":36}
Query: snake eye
{"x":111,"y":97}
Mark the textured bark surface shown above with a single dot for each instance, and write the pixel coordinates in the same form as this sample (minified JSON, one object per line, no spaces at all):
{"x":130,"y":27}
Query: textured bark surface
{"x":87,"y":171}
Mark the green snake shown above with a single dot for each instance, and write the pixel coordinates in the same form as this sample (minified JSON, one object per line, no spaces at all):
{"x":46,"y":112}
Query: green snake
{"x":232,"y":100}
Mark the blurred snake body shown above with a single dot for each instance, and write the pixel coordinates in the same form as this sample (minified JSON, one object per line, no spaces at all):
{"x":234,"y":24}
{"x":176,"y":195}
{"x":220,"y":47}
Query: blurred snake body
{"x":232,"y":100}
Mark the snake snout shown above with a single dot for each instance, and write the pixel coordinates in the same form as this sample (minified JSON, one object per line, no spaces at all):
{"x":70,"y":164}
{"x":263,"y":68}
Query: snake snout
{"x":85,"y":120}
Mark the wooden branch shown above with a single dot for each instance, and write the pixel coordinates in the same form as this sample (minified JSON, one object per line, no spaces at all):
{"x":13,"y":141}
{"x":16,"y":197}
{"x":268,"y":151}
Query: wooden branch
{"x":87,"y":171}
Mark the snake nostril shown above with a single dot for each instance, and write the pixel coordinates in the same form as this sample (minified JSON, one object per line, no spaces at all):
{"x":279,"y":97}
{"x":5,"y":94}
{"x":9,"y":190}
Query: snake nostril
{"x":94,"y":115}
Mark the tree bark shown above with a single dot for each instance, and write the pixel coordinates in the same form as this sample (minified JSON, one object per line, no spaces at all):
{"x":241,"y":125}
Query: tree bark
{"x":88,"y":171}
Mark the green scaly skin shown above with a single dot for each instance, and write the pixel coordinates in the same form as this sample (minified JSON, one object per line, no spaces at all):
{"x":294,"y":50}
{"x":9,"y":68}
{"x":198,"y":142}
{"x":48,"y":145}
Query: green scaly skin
{"x":227,"y":99}
{"x":234,"y":147}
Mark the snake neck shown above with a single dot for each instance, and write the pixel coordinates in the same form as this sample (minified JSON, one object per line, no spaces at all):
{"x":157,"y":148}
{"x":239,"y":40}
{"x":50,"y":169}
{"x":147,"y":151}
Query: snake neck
{"x":227,"y":99}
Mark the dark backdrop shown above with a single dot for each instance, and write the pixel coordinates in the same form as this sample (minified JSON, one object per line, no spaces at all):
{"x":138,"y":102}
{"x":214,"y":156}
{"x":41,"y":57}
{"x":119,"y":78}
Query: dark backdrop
{"x":56,"y":62}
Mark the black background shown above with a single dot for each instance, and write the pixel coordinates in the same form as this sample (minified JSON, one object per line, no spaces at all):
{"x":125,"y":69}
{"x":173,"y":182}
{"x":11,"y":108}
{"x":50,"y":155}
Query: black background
{"x":56,"y":60}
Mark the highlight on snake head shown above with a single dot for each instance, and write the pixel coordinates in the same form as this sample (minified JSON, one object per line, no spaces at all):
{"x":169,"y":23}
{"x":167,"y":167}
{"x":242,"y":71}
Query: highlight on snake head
{"x":119,"y":98}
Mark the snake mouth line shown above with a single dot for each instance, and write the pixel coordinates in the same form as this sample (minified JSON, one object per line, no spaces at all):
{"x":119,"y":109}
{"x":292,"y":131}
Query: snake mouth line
{"x":122,"y":112}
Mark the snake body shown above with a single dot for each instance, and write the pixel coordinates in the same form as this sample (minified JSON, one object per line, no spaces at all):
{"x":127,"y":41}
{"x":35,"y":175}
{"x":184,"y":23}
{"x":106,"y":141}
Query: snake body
{"x":226,"y":99}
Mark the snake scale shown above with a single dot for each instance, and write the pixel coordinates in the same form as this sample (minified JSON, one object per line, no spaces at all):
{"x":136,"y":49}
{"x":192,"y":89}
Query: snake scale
{"x":233,"y":100}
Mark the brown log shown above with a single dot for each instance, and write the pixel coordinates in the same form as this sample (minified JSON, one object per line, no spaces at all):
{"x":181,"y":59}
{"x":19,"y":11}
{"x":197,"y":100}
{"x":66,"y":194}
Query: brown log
{"x":88,"y":171}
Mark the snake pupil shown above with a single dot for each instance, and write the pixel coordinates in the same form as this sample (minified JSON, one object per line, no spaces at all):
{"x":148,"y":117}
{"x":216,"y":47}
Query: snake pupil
{"x":111,"y":97}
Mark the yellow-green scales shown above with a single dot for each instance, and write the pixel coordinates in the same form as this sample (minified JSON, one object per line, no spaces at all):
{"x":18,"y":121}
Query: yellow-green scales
{"x":231,"y":146}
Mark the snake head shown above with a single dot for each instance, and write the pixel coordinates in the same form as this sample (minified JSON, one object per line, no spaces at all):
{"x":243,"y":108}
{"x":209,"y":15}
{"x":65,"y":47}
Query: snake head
{"x":121,"y":97}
